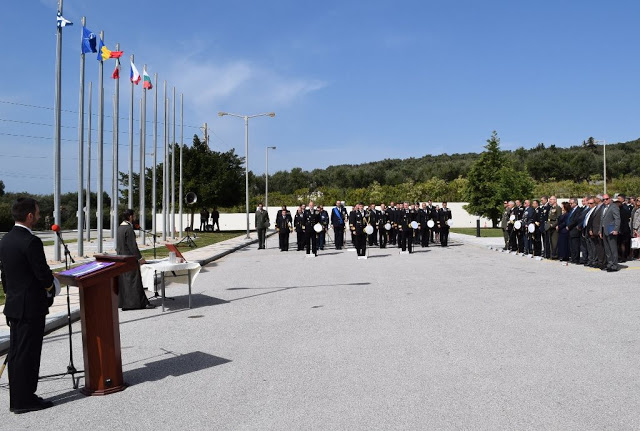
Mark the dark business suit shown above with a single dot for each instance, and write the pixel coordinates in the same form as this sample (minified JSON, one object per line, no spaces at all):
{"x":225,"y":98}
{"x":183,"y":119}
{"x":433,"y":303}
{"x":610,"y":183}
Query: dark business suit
{"x":574,"y":225}
{"x":595,"y":221}
{"x":27,"y":281}
{"x":610,"y":223}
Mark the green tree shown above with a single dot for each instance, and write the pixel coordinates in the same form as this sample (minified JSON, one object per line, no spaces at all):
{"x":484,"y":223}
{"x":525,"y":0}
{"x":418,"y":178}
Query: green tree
{"x":1,"y":188}
{"x":492,"y":180}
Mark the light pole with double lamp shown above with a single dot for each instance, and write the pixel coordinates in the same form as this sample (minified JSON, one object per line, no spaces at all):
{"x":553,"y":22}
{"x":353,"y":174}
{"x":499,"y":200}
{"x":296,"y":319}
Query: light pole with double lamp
{"x":246,"y":153}
{"x":604,"y":160}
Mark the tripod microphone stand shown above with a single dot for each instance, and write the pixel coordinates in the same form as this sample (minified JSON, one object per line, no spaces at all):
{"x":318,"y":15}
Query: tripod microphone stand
{"x":151,"y":234}
{"x":71,"y":369}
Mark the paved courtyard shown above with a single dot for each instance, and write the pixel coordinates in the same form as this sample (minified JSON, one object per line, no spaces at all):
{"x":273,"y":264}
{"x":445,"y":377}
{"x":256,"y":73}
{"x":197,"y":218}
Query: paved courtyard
{"x":454,"y":338}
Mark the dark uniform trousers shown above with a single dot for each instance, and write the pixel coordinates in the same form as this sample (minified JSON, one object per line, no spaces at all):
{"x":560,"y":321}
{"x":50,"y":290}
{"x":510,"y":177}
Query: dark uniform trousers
{"x":424,"y":235}
{"x":311,"y":240}
{"x":406,"y":240}
{"x":383,"y":236}
{"x":360,"y":243}
{"x":338,"y":232}
{"x":25,"y":348}
{"x":284,"y":239}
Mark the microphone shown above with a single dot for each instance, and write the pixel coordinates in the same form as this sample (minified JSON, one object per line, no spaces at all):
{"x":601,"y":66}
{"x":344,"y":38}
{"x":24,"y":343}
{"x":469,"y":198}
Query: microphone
{"x":56,"y":229}
{"x":148,"y":232}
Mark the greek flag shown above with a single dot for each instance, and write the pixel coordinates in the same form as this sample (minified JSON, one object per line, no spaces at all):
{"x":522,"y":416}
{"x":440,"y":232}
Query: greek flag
{"x":62,"y":21}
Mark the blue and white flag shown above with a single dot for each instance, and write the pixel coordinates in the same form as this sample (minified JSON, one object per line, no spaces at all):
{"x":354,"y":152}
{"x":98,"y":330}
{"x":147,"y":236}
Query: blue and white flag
{"x":62,"y":21}
{"x":88,"y":41}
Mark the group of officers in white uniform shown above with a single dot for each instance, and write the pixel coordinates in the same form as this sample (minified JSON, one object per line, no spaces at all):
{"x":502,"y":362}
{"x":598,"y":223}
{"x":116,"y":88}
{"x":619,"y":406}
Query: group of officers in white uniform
{"x":403,"y":225}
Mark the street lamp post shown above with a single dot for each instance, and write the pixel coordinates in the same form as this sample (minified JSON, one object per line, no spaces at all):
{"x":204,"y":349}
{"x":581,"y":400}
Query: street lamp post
{"x":246,"y":153}
{"x":266,"y":177}
{"x":604,"y":157}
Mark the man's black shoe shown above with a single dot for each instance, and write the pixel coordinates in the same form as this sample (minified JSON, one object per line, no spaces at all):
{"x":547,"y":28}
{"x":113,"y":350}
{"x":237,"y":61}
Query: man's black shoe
{"x":39,"y":404}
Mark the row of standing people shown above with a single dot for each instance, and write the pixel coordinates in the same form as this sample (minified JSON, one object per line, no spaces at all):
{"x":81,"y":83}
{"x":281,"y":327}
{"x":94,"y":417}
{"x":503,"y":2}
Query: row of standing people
{"x":387,"y":225}
{"x":596,"y":234}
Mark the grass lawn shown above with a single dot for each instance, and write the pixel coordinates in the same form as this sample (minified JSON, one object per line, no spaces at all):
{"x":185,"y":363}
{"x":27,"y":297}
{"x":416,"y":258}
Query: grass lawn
{"x":203,"y":239}
{"x":484,"y":232}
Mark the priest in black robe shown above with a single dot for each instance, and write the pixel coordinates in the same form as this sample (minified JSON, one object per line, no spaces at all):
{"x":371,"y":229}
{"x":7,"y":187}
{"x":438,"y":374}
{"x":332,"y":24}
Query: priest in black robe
{"x":131,"y":294}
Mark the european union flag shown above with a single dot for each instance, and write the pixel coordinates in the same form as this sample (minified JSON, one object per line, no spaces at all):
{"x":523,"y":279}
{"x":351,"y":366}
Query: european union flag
{"x":88,"y":41}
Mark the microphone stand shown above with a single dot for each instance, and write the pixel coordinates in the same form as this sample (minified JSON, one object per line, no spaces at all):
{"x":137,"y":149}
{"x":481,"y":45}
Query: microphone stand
{"x":154,"y":240}
{"x":71,"y":369}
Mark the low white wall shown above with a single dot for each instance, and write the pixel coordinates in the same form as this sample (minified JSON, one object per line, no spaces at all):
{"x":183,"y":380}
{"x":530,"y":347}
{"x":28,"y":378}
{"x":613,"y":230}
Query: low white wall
{"x":238,"y":221}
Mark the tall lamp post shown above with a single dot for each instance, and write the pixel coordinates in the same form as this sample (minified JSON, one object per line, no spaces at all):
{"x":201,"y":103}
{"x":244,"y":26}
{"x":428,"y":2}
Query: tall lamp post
{"x":604,"y":157}
{"x":266,"y":177}
{"x":246,"y":153}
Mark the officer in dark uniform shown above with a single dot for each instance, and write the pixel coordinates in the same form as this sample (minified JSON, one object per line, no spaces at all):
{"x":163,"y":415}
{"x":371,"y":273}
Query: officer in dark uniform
{"x":311,"y":216}
{"x":393,"y":233}
{"x":283,"y":227}
{"x":544,"y":219}
{"x":338,"y":219}
{"x":527,"y":218}
{"x":424,"y":215}
{"x":382,"y":220}
{"x":444,"y":216}
{"x":372,"y":215}
{"x":406,"y":231}
{"x":298,"y":224}
{"x":324,"y":221}
{"x":357,"y":223}
{"x":537,"y":234}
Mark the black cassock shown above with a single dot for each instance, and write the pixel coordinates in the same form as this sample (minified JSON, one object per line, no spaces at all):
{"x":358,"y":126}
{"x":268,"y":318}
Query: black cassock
{"x":131,"y":293}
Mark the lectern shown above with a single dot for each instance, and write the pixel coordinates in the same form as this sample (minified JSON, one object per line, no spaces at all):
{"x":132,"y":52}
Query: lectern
{"x":98,"y":286}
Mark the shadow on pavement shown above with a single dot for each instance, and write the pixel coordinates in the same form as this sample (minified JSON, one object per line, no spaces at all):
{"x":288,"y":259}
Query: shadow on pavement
{"x":282,"y":289}
{"x":176,"y":365}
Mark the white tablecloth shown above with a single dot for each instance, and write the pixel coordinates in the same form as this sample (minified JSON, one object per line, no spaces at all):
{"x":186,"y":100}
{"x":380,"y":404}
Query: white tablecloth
{"x":181,"y":271}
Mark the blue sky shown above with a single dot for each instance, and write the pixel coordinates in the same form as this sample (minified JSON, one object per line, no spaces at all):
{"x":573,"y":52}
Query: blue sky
{"x":350,"y":81}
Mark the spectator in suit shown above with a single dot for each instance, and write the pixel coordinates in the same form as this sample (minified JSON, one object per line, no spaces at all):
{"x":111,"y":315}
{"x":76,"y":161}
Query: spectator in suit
{"x":624,"y":237}
{"x":29,"y":286}
{"x":610,"y":228}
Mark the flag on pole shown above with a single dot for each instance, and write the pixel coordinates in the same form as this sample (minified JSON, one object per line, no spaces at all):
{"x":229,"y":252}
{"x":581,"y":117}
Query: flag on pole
{"x":62,"y":21}
{"x":116,"y":71}
{"x":135,"y":75}
{"x":104,"y":53}
{"x":147,"y":80}
{"x":88,"y":41}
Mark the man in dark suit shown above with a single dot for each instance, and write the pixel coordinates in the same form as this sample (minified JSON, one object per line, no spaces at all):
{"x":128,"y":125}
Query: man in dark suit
{"x":338,"y":219}
{"x":609,"y":233}
{"x":594,"y":226}
{"x":283,"y":227}
{"x":29,"y":287}
{"x":262,"y":224}
{"x":444,"y":216}
{"x":574,"y":226}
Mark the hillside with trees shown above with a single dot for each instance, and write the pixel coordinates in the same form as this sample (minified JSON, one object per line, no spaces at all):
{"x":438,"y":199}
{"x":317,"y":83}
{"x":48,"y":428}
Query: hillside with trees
{"x":218,"y":178}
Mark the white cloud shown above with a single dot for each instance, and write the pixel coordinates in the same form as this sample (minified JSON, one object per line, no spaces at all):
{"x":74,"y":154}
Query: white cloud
{"x":241,"y":83}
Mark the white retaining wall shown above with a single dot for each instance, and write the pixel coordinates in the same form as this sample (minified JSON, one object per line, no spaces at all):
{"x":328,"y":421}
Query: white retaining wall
{"x":238,"y":221}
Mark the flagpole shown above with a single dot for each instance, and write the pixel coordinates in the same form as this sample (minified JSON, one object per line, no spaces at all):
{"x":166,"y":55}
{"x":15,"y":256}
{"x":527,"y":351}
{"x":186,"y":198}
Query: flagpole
{"x":140,"y":179}
{"x":143,"y":160}
{"x":155,"y":159}
{"x":80,"y":148}
{"x":88,"y":199}
{"x":173,"y":169}
{"x":114,"y":179}
{"x":181,"y":145}
{"x":164,"y":168}
{"x":56,"y":134}
{"x":131,"y":144}
{"x":99,"y":208}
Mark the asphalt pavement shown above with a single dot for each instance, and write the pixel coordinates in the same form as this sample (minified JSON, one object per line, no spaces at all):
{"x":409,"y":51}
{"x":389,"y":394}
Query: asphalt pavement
{"x":462,"y":337}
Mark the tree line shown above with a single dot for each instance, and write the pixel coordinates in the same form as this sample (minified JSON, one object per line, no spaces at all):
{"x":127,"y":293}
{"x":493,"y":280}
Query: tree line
{"x":217,"y":178}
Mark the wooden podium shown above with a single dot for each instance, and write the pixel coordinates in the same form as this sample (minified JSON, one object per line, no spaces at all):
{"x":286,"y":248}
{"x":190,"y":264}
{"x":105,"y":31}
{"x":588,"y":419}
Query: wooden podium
{"x":98,"y":288}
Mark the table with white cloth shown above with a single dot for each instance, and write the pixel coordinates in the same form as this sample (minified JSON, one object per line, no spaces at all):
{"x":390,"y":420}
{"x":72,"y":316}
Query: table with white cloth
{"x":149,"y":272}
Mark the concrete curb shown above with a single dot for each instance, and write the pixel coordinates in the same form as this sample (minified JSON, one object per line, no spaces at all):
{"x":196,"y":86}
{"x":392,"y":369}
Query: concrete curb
{"x":59,"y":320}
